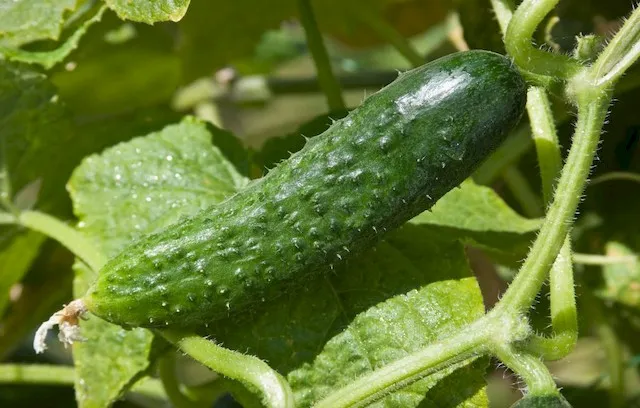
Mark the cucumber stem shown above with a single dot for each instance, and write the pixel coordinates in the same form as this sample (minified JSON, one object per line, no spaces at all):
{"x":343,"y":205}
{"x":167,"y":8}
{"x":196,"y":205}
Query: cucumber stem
{"x":328,"y":82}
{"x":531,"y":369}
{"x":564,"y":316}
{"x":516,"y":145}
{"x":472,"y":341}
{"x":616,"y":175}
{"x":592,"y":110}
{"x":545,"y":138}
{"x":591,"y":259}
{"x":623,"y":50}
{"x":69,"y":237}
{"x":504,"y":11}
{"x":522,"y":26}
{"x":252,"y":372}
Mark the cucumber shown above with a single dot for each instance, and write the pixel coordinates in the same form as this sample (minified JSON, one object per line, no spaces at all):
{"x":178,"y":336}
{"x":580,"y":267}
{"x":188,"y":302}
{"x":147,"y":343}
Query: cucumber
{"x":386,"y":162}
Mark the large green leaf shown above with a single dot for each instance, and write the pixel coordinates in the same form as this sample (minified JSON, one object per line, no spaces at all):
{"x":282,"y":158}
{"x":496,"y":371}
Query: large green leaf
{"x":476,"y":215}
{"x":130,"y":189}
{"x":24,"y":21}
{"x":393,"y":330}
{"x":123,"y":192}
{"x":149,"y":11}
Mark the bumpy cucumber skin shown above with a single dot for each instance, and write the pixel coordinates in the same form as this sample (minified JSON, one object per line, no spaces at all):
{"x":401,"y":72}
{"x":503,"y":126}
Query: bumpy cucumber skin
{"x":383,"y":164}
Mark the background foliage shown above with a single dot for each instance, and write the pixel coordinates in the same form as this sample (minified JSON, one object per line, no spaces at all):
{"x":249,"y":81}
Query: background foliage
{"x":93,"y":98}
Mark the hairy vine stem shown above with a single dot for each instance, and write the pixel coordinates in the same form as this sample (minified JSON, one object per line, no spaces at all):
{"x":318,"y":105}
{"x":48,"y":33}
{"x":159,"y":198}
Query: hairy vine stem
{"x":530,"y":368}
{"x":592,"y":110}
{"x":66,"y":235}
{"x":366,"y":390}
{"x":252,"y":372}
{"x":522,"y":26}
{"x":564,"y":316}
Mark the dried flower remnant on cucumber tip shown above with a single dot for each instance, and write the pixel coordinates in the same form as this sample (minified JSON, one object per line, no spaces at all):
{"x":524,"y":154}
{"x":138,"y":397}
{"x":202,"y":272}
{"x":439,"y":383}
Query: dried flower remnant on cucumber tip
{"x":67,"y":322}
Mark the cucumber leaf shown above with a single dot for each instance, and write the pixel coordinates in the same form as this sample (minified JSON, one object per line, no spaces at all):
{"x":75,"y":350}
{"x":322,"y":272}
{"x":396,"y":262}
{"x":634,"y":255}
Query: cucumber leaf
{"x":149,"y":11}
{"x":289,"y":331}
{"x":393,"y":330}
{"x":130,"y":189}
{"x":477,"y":216}
{"x":126,"y":190}
{"x":52,"y":57}
{"x":39,"y":146}
{"x":25,"y":21}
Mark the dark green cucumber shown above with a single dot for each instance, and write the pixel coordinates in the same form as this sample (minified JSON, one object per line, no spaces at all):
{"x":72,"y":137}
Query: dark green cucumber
{"x":383,"y":164}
